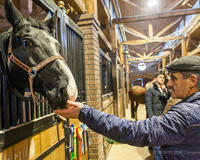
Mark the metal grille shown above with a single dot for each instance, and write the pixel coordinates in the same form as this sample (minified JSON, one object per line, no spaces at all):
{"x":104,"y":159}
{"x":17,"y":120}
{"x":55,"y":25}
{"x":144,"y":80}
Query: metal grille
{"x":15,"y":111}
{"x":72,"y":51}
{"x":106,"y":73}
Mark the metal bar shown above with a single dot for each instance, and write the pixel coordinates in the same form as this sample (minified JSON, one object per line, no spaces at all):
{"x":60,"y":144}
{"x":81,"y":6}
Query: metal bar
{"x":32,"y":110}
{"x":5,"y":105}
{"x":13,"y":108}
{"x":1,"y":93}
{"x":67,"y":139}
{"x":19,"y":111}
{"x":27,"y":111}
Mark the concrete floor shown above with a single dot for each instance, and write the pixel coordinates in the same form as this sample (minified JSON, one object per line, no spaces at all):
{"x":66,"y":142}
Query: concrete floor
{"x":127,"y":152}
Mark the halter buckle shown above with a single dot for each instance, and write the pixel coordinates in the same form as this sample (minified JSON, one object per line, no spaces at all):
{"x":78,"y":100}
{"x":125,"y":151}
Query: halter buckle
{"x":32,"y":72}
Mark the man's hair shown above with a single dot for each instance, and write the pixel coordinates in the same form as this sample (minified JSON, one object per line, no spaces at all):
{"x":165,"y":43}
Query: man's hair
{"x":188,"y":74}
{"x":159,"y":73}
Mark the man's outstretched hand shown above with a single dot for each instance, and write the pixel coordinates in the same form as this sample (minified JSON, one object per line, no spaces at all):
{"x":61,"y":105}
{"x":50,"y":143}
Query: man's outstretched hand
{"x":72,"y":110}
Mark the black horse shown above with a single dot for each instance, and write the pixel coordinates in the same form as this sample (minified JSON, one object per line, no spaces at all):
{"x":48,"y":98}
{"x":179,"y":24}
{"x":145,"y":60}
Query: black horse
{"x":33,"y":58}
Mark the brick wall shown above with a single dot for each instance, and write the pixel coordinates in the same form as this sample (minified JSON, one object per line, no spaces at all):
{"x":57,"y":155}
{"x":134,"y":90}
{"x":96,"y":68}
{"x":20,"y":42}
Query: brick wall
{"x":90,"y":26}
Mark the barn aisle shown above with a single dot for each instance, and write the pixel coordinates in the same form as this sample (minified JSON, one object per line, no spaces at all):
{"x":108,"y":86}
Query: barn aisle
{"x":127,"y":152}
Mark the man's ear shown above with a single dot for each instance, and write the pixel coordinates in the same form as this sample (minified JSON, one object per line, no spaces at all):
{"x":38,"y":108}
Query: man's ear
{"x":193,"y":80}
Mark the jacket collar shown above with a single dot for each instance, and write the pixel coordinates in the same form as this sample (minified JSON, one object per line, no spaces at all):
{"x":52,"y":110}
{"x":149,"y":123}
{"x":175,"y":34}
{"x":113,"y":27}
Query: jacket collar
{"x":192,"y":97}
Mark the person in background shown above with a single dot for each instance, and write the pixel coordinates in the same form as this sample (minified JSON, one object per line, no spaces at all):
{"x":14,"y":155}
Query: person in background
{"x":156,"y":98}
{"x":149,"y":84}
{"x":177,"y":131}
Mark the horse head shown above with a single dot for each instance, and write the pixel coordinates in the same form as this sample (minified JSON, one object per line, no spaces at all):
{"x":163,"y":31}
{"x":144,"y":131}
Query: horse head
{"x":32,"y":42}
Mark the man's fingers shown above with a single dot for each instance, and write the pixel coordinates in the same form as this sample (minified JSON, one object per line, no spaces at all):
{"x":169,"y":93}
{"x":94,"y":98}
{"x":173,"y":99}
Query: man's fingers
{"x":75,"y":104}
{"x":71,"y":103}
{"x":72,"y":110}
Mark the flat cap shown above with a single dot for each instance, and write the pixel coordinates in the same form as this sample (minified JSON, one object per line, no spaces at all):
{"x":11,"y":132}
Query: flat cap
{"x":185,"y":64}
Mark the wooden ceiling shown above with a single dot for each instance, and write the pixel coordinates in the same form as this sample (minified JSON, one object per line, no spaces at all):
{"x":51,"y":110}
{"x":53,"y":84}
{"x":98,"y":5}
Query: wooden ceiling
{"x":150,"y":28}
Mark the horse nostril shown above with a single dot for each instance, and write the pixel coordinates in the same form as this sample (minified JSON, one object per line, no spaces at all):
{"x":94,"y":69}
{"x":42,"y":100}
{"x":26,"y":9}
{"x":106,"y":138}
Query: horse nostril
{"x":64,"y":94}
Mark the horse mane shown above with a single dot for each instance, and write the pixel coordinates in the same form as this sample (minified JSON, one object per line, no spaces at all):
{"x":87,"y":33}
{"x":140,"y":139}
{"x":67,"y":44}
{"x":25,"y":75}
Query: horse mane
{"x":38,"y":24}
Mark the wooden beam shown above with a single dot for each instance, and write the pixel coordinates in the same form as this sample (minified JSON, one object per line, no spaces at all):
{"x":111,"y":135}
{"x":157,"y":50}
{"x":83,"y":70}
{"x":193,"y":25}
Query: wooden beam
{"x":174,"y":5}
{"x":188,"y":43}
{"x":161,"y":15}
{"x":155,"y":47}
{"x":135,"y":33}
{"x":114,"y":38}
{"x":150,"y":30}
{"x":148,"y":55}
{"x":121,"y":54}
{"x":194,"y":52}
{"x":168,"y":27}
{"x":145,"y":58}
{"x":185,"y":2}
{"x":139,"y":55}
{"x":133,"y":4}
{"x":195,"y":43}
{"x":159,"y":39}
{"x":133,"y":51}
{"x":163,"y":50}
{"x":194,"y":28}
{"x":176,"y":46}
{"x":183,"y":47}
{"x":104,"y":39}
{"x":115,"y":8}
{"x":138,"y":49}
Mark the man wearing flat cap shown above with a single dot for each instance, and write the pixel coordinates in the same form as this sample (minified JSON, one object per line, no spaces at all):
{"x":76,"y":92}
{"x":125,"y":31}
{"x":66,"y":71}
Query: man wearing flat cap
{"x":177,"y":131}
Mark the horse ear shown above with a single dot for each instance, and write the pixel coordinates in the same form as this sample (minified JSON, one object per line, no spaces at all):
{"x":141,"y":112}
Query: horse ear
{"x":52,"y":22}
{"x":13,"y":15}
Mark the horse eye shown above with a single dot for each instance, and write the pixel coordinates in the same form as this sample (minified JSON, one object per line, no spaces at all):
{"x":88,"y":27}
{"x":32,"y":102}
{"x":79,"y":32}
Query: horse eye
{"x":27,"y":43}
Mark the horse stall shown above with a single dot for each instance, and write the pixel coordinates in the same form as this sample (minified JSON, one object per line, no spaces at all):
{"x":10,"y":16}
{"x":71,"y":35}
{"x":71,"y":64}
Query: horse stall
{"x":106,"y":90}
{"x":29,"y":130}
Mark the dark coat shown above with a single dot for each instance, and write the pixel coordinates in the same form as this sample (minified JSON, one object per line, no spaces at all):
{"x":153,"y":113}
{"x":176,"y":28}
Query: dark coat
{"x":155,"y":101}
{"x":177,"y":131}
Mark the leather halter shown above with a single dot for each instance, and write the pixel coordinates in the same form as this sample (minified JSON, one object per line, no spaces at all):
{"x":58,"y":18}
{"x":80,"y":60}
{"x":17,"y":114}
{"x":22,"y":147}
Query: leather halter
{"x":32,"y":71}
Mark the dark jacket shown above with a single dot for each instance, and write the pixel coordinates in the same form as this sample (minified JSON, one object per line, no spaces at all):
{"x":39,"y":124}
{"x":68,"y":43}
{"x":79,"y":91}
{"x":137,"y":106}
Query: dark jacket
{"x":177,"y":131}
{"x":155,"y":101}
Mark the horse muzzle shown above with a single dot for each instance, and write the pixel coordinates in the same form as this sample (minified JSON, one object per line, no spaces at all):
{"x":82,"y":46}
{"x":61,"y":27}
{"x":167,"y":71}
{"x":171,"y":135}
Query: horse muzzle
{"x":57,"y":98}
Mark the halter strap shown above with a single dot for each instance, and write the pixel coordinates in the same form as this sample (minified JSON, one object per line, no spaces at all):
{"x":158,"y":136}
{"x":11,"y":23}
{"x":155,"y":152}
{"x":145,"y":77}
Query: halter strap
{"x":32,"y":71}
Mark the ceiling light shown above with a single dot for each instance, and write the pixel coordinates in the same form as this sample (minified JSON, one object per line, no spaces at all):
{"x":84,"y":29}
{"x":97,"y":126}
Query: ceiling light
{"x":142,"y":66}
{"x":152,"y":3}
